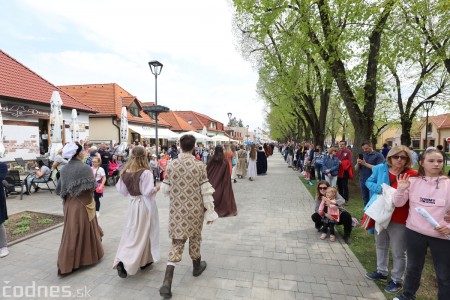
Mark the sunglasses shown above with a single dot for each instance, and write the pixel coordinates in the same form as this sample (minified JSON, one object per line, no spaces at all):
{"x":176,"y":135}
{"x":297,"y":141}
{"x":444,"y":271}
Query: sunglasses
{"x":399,"y":157}
{"x":323,"y":187}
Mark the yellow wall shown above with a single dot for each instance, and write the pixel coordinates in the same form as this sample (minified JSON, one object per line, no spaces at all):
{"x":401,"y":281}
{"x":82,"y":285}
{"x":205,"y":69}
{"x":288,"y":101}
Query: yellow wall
{"x":103,"y":129}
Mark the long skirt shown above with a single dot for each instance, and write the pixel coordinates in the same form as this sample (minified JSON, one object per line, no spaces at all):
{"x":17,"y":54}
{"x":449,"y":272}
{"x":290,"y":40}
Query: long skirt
{"x":81,"y":241}
{"x":251,"y":171}
{"x":140,"y":236}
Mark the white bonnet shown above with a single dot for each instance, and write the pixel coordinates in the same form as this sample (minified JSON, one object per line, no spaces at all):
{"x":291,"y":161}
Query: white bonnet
{"x":69,"y":150}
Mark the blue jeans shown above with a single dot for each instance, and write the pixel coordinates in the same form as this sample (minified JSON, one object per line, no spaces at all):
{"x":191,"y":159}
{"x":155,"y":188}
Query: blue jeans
{"x":31,"y":180}
{"x":417,"y":245}
{"x":320,"y":175}
{"x":364,"y":191}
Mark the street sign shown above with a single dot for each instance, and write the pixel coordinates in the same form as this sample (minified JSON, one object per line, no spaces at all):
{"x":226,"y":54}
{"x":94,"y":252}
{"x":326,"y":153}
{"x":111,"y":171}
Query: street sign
{"x":448,"y":139}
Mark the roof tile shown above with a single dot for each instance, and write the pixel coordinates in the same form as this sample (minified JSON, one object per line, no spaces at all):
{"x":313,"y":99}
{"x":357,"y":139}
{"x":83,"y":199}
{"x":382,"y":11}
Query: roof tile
{"x":108,"y":99}
{"x":19,"y":82}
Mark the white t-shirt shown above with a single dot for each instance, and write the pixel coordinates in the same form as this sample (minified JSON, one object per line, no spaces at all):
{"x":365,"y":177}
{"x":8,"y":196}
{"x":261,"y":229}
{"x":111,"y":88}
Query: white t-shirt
{"x":100,"y":173}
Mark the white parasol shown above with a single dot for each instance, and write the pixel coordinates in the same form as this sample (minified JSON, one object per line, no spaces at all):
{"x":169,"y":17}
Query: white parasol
{"x":74,"y":128}
{"x":123,"y":130}
{"x":56,"y":122}
{"x":2,"y":148}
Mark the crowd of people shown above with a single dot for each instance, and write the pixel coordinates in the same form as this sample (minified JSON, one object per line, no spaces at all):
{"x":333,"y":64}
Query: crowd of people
{"x":191,"y":175}
{"x":406,"y":234}
{"x":201,"y":178}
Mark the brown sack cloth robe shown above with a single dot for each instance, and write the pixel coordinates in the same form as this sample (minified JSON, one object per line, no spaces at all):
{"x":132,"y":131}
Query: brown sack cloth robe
{"x":219,"y":176}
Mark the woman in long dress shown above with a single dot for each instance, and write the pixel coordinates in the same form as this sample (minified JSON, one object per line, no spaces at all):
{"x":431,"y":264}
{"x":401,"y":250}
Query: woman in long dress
{"x":81,"y":243}
{"x":251,"y":172}
{"x":218,"y":171}
{"x":139,"y":245}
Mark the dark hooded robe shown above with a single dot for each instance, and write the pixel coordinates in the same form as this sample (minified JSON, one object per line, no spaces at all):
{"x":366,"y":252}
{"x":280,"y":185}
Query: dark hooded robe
{"x":261,"y":162}
{"x":220,"y":178}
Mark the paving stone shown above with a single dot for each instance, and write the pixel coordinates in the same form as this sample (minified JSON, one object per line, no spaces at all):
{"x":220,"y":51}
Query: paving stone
{"x":270,"y":250}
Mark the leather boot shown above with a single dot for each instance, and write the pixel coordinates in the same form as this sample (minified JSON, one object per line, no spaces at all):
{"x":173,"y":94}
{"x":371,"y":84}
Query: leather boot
{"x":166,"y":289}
{"x":199,"y":267}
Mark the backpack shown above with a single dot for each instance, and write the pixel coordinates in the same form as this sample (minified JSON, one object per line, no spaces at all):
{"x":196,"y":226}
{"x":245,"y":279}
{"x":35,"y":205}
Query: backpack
{"x":88,"y":161}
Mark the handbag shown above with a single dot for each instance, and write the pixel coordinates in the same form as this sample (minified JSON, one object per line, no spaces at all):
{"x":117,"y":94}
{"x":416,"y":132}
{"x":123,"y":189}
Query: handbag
{"x":367,"y":222}
{"x":99,"y":189}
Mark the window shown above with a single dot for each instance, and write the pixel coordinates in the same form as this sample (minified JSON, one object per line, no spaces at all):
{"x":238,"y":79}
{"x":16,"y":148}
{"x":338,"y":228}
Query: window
{"x":429,"y":129}
{"x":212,"y":125}
{"x":134,"y":110}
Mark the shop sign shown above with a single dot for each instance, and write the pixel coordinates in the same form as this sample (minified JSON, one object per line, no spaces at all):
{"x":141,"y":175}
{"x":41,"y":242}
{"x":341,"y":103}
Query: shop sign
{"x":19,"y":110}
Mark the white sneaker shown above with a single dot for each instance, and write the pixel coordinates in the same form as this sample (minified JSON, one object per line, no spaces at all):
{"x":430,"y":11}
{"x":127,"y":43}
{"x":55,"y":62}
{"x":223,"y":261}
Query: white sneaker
{"x":4,"y":251}
{"x":97,"y":213}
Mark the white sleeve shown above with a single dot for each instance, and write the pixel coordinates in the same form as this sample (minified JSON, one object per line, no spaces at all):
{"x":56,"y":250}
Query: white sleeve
{"x":208,"y":201}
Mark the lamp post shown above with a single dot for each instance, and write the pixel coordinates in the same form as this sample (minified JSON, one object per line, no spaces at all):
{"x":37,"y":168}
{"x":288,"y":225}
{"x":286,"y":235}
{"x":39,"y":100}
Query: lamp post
{"x":254,"y":136}
{"x":155,"y":67}
{"x":229,"y":118}
{"x":427,"y":104}
{"x":247,"y":136}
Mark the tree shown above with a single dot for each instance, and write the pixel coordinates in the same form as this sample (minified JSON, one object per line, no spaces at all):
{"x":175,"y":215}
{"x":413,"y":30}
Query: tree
{"x":334,"y":32}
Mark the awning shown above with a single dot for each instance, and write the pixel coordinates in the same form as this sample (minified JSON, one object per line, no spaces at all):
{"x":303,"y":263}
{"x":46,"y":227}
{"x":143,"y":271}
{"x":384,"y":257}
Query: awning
{"x":149,"y":132}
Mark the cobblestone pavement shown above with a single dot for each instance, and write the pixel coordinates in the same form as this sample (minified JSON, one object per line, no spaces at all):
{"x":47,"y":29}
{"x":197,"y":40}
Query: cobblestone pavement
{"x":269,"y":251}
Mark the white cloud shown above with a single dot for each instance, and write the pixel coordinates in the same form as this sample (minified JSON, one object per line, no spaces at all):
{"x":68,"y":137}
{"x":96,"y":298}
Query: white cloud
{"x":112,"y":41}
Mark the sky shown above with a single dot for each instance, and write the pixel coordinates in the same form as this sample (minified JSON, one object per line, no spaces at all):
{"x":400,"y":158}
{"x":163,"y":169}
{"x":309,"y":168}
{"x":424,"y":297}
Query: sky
{"x":111,"y":41}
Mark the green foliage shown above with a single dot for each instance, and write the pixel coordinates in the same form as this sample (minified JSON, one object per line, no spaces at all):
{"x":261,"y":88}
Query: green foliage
{"x":24,"y":223}
{"x":296,"y":44}
{"x":26,"y":217}
{"x":45,"y":221}
{"x":21,"y":230}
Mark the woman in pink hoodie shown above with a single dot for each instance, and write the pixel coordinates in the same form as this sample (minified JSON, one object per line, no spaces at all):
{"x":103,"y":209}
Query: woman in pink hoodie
{"x":429,"y":191}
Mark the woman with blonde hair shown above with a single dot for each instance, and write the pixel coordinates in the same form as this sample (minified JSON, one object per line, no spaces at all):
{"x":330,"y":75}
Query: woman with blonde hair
{"x":139,"y":245}
{"x":398,"y":162}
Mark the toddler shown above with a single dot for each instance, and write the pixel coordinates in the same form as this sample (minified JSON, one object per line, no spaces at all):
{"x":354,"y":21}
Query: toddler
{"x":329,"y":211}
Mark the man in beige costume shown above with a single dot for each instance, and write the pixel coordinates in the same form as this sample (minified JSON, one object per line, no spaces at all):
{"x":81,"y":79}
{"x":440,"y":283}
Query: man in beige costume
{"x":190,"y":193}
{"x":241,"y":162}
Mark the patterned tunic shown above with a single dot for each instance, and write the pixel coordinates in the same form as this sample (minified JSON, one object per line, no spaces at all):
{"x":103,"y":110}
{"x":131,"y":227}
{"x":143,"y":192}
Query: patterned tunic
{"x":185,"y":175}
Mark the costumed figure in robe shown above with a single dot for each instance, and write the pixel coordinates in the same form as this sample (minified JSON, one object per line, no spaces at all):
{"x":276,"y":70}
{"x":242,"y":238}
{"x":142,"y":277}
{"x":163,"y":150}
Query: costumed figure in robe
{"x":191,"y":202}
{"x":81,"y":242}
{"x":261,"y":161}
{"x":139,"y":245}
{"x":241,"y":169}
{"x":219,"y":176}
{"x":251,"y":172}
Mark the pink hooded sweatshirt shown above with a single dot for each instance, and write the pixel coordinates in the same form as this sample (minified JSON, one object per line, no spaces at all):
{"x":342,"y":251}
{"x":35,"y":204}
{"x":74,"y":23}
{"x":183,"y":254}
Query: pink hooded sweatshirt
{"x":430,"y":193}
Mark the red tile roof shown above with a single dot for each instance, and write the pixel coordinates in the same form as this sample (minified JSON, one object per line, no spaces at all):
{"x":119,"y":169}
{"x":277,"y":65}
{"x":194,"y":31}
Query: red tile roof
{"x":108,"y":100}
{"x":441,"y":121}
{"x":176,"y":122}
{"x":199,"y":120}
{"x":20,"y":83}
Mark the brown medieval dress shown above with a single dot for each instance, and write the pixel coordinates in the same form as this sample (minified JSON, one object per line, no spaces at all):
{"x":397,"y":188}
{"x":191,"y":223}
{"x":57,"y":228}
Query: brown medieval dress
{"x":81,"y":243}
{"x":219,"y":176}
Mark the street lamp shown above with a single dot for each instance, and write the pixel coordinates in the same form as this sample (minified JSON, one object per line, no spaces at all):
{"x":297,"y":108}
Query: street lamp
{"x":427,"y":104}
{"x":229,"y":123}
{"x":155,"y":67}
{"x":254,"y":136}
{"x":247,"y":136}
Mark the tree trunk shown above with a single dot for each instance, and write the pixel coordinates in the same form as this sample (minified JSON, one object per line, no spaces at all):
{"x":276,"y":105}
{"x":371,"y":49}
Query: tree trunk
{"x":405,"y":138}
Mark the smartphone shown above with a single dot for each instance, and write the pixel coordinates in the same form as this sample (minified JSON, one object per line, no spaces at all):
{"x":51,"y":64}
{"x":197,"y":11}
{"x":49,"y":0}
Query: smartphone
{"x":360,"y":156}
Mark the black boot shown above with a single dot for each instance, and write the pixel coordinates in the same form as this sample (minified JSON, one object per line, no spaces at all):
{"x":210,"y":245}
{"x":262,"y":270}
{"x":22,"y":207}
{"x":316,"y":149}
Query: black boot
{"x":199,"y":267}
{"x":166,"y":289}
{"x":121,"y":270}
